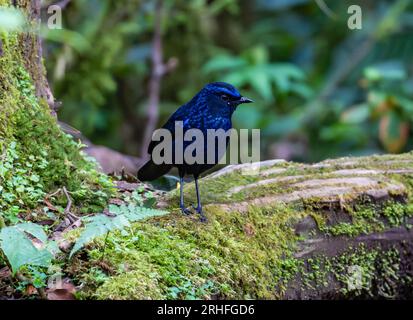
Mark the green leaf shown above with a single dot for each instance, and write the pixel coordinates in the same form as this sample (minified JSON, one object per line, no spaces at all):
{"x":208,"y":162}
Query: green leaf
{"x":97,"y":226}
{"x":393,"y":131}
{"x":357,"y":114}
{"x":140,"y":213}
{"x":407,"y":106}
{"x":71,"y":38}
{"x":261,"y":82}
{"x":20,"y":251}
{"x":223,"y":62}
{"x":34,"y":229}
{"x":386,"y":71}
{"x":287,"y":70}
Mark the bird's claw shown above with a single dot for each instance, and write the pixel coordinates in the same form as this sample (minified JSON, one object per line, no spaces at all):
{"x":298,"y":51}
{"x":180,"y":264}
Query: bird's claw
{"x":186,"y":211}
{"x":200,"y":212}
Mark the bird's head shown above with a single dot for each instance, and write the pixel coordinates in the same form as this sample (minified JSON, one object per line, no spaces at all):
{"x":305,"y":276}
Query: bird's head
{"x":225,"y":95}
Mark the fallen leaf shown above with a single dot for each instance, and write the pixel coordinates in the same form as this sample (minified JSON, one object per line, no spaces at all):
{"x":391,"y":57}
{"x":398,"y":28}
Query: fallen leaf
{"x":5,"y":273}
{"x":127,"y":186}
{"x":30,"y":290}
{"x":46,"y":222}
{"x":37,"y":244}
{"x":117,"y":202}
{"x":66,"y":292}
{"x":106,"y":267}
{"x":65,"y":245}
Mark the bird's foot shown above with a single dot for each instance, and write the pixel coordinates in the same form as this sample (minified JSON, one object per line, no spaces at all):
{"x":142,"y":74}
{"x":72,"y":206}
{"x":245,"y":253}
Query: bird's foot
{"x":186,"y":211}
{"x":198,"y":209}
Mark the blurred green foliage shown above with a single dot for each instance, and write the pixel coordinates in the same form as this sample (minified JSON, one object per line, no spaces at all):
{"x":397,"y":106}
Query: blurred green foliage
{"x":321,"y":89}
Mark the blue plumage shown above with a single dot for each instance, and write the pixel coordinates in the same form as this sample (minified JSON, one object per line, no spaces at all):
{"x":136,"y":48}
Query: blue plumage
{"x":211,"y":108}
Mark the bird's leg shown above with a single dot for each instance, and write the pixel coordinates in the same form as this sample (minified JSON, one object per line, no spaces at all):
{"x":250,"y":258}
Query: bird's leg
{"x":198,"y":198}
{"x":184,"y":210}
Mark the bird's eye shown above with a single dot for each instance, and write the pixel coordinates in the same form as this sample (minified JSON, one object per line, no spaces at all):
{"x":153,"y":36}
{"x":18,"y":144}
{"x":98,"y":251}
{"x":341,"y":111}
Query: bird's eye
{"x":224,"y":97}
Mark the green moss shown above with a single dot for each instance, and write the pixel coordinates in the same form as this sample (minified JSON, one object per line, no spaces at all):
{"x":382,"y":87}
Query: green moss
{"x":367,"y":218}
{"x":286,"y":270}
{"x":396,"y":213}
{"x":137,"y":284}
{"x":232,"y":256}
{"x":359,"y":271}
{"x":235,"y":255}
{"x":36,"y":157}
{"x":214,"y":190}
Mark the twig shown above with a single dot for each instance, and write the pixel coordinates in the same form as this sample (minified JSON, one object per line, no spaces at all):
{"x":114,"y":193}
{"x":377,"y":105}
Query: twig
{"x":54,"y":193}
{"x":72,"y":217}
{"x":159,"y":69}
{"x":69,"y":200}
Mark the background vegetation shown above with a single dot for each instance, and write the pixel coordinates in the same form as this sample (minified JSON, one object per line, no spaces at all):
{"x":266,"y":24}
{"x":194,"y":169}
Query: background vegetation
{"x":321,"y":89}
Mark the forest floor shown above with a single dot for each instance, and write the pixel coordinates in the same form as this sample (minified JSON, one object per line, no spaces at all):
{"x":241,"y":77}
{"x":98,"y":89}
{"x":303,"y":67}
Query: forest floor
{"x":59,"y":281}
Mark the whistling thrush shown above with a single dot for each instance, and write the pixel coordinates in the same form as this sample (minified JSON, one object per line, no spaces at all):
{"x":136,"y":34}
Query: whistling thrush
{"x":211,"y":108}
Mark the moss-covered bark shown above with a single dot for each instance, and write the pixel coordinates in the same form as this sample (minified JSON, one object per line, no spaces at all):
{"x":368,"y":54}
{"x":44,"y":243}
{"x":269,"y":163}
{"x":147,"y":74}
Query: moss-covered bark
{"x":340,"y":228}
{"x":36,"y":157}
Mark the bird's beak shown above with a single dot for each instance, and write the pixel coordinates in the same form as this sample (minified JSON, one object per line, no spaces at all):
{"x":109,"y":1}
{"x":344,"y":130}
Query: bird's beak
{"x":245,"y":100}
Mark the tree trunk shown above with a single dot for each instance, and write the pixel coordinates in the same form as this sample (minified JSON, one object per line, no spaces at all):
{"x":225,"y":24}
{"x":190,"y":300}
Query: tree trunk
{"x":35,"y":155}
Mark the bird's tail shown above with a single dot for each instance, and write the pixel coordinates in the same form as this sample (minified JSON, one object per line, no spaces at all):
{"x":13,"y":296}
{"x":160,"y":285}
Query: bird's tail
{"x":151,"y":171}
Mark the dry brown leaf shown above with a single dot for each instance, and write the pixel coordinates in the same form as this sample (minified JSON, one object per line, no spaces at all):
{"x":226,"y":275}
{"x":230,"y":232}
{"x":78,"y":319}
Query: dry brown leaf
{"x":30,"y":290}
{"x":37,"y":243}
{"x":5,"y":273}
{"x":66,"y":292}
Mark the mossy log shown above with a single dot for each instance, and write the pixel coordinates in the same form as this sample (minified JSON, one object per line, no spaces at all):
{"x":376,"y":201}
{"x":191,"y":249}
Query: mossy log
{"x":337,"y":229}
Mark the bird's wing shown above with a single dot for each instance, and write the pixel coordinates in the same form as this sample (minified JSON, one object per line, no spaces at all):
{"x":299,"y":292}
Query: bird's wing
{"x":181,"y":114}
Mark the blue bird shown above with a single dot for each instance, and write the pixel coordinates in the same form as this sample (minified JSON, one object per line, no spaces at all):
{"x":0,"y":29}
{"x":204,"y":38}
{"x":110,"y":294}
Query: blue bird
{"x":211,"y":108}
